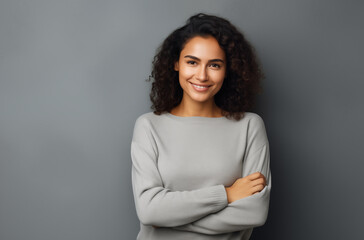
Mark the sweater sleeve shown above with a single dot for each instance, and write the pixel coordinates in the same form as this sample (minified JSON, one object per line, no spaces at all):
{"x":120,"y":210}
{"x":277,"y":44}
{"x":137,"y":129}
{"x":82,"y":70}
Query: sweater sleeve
{"x":248,"y":212}
{"x":157,"y":205}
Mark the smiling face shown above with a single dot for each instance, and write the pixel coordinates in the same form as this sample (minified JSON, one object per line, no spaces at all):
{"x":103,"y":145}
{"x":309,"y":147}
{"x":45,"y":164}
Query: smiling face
{"x":201,"y":67}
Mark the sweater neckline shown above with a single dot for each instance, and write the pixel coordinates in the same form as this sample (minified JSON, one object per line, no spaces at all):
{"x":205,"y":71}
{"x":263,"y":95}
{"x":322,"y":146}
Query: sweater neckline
{"x":194,"y":118}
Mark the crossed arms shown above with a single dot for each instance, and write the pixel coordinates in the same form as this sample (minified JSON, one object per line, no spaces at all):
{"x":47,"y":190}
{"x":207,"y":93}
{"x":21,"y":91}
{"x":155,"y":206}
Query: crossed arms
{"x":205,"y":210}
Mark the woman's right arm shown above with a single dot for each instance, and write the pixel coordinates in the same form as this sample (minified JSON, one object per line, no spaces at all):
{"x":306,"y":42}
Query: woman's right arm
{"x":159,"y":206}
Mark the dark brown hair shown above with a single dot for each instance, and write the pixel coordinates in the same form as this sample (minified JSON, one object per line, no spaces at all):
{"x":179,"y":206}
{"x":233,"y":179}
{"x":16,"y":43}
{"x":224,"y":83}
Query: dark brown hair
{"x":242,"y":81}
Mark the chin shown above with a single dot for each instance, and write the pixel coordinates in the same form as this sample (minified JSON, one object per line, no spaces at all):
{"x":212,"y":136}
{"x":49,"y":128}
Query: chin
{"x":201,"y":99}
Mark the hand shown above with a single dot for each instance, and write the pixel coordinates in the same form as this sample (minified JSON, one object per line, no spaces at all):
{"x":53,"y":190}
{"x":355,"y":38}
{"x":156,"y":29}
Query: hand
{"x":246,"y":186}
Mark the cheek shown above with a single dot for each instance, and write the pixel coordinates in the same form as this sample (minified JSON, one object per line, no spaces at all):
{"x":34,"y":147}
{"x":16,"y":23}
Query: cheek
{"x":186,"y":73}
{"x":219,"y":77}
{"x":184,"y":76}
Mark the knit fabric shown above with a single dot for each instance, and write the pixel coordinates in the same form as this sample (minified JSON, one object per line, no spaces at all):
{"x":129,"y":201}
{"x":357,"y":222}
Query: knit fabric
{"x":180,"y":166}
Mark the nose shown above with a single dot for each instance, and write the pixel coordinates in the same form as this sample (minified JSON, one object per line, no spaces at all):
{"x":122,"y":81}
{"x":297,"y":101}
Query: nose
{"x":201,"y":75}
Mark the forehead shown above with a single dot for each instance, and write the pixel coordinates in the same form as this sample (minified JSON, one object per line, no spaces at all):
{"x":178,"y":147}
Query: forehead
{"x":203,"y":48}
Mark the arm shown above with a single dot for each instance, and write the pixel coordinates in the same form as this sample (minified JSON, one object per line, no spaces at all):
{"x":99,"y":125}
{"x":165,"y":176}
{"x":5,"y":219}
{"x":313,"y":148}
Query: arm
{"x":156,"y":205}
{"x":247,"y":212}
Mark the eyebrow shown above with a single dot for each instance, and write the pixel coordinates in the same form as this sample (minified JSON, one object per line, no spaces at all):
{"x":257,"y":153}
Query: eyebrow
{"x":211,"y":60}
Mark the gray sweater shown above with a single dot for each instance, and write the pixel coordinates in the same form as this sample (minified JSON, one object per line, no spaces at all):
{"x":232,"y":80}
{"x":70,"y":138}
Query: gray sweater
{"x":180,"y":166}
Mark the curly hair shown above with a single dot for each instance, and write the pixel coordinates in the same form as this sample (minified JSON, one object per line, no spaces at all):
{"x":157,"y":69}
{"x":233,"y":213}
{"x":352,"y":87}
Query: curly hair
{"x":242,"y":81}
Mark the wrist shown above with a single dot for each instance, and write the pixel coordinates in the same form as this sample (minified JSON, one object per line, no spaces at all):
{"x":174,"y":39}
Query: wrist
{"x":228,"y":194}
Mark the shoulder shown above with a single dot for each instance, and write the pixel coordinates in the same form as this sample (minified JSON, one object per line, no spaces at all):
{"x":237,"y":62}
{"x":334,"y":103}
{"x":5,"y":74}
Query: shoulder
{"x":143,"y":132}
{"x":255,"y":127}
{"x":149,"y":120}
{"x":252,"y":116}
{"x":144,"y":117}
{"x":143,"y":127}
{"x":253,"y":120}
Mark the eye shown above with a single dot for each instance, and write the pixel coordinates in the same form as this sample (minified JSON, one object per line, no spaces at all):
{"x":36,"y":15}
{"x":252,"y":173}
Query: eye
{"x":215,"y":65}
{"x":191,"y":62}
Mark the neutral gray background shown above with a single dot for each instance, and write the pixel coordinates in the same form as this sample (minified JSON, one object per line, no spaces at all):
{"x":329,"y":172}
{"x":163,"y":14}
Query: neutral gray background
{"x":72,"y":84}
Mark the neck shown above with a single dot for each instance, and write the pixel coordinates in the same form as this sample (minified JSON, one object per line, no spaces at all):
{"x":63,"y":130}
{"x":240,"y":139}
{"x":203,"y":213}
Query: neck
{"x":190,"y":109}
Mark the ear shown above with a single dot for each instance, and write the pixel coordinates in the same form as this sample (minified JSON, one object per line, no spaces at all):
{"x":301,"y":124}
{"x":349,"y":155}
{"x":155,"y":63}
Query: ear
{"x":176,"y":66}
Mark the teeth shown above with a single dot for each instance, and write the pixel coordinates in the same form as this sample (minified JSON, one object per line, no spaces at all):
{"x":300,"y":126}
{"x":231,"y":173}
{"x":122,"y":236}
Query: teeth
{"x":199,"y":86}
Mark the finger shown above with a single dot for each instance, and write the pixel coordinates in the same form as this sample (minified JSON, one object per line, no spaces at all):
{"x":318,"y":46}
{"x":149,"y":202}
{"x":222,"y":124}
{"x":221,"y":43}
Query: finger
{"x":264,"y":180}
{"x":254,"y":176}
{"x":259,"y":181}
{"x":257,"y":188}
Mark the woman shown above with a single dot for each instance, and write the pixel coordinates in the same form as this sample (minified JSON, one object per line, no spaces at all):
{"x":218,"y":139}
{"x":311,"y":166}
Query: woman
{"x":200,"y":159}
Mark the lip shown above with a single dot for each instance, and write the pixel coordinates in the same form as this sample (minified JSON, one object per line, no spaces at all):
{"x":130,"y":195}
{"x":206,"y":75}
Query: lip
{"x":206,"y":87}
{"x":201,"y":85}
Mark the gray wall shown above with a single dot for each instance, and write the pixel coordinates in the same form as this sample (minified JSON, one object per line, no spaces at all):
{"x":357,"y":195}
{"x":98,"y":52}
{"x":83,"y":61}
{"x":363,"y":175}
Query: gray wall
{"x":72,"y":84}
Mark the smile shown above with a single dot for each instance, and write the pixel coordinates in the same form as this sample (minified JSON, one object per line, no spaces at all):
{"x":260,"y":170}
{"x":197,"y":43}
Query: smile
{"x":200,"y":86}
